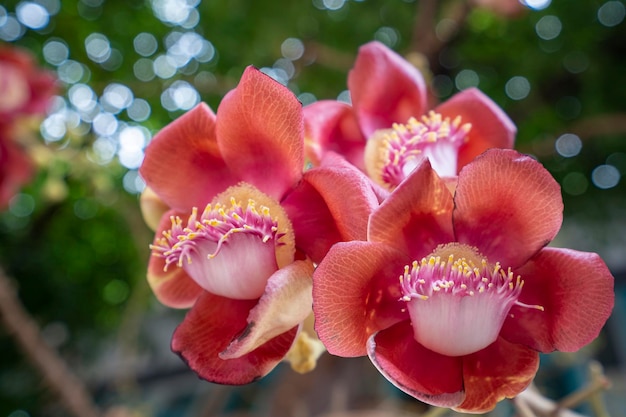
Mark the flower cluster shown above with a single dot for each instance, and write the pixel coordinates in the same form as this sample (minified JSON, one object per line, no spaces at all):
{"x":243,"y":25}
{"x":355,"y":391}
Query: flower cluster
{"x":413,"y":233}
{"x":25,"y":91}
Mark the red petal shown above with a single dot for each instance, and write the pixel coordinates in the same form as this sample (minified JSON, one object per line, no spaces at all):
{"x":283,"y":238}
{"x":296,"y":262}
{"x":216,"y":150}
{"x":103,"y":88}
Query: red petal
{"x":332,"y":126}
{"x":417,"y":216}
{"x":576,"y":291}
{"x":355,"y":294}
{"x":428,"y":376}
{"x":260,"y":132}
{"x":385,"y":88}
{"x":508,"y":206}
{"x":324,"y":212}
{"x":501,"y":370}
{"x":183,"y":164}
{"x":286,"y":303}
{"x":174,"y":288}
{"x":208,"y":329}
{"x":16,"y":168}
{"x":491,"y":127}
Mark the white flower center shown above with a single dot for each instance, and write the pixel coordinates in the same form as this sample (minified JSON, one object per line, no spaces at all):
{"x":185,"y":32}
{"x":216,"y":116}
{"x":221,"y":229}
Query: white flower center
{"x":457,"y":301}
{"x":392,"y":154}
{"x":230,"y":250}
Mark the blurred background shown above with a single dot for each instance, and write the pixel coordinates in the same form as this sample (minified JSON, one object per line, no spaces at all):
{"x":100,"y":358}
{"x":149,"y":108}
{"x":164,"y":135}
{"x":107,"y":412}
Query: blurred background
{"x":75,"y":246}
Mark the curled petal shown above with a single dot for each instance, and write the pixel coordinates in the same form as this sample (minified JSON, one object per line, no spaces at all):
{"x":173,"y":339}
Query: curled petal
{"x":356,"y":293}
{"x":173,"y":288}
{"x":332,"y":126}
{"x":501,"y":370}
{"x":507,"y":205}
{"x":260,"y":131}
{"x":385,"y":88}
{"x":152,"y":208}
{"x":575,"y":290}
{"x":491,"y":127}
{"x":285,"y":304}
{"x":209,"y":328}
{"x":426,"y":375}
{"x":331,"y":204}
{"x":183,"y":164}
{"x":417,"y":216}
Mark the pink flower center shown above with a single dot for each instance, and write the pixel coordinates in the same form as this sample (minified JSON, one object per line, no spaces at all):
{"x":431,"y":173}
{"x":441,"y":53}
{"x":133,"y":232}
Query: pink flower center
{"x":392,"y":154}
{"x":457,"y":300}
{"x":229,"y":250}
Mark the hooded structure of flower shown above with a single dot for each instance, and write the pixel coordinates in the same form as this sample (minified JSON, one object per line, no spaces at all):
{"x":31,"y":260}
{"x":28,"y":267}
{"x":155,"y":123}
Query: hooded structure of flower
{"x":452,"y":297}
{"x":389,"y":128}
{"x":238,"y":241}
{"x":25,"y":90}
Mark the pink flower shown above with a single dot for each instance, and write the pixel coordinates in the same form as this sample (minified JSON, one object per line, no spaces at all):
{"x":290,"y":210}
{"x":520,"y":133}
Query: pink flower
{"x":244,"y":227}
{"x":504,"y":8}
{"x":25,"y":89}
{"x":16,"y":168}
{"x":389,"y":128}
{"x":453,"y":296}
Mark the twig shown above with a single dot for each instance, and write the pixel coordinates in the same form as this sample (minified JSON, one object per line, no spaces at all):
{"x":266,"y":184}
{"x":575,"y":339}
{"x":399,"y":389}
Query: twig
{"x":522,"y":407}
{"x":21,"y":326}
{"x":598,"y":383}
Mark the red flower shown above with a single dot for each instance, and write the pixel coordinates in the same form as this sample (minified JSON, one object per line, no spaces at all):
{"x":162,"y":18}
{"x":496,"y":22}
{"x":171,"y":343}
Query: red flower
{"x":16,"y":168}
{"x":25,"y":89}
{"x":244,"y":226}
{"x":389,"y":128}
{"x":453,"y":296}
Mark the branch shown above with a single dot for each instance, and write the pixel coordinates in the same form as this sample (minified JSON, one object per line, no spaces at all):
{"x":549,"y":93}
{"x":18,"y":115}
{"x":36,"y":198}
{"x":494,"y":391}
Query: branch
{"x":23,"y":328}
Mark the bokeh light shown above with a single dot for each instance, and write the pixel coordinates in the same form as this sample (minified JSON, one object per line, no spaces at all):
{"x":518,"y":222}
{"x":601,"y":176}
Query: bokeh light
{"x":517,"y":88}
{"x":466,"y":78}
{"x":568,"y":145}
{"x":605,"y":176}
{"x":611,"y":13}
{"x":548,"y":27}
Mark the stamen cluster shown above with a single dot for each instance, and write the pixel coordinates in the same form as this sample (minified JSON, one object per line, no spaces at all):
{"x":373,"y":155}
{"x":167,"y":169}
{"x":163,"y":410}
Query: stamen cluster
{"x":216,"y":224}
{"x":407,"y":142}
{"x":460,"y":277}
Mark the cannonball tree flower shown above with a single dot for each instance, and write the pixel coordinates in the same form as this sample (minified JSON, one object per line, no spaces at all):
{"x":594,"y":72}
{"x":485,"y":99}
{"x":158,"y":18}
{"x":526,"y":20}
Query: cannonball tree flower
{"x":237,"y":242}
{"x":25,"y":89}
{"x":389,"y":126}
{"x":453,"y":296}
{"x":16,"y":168}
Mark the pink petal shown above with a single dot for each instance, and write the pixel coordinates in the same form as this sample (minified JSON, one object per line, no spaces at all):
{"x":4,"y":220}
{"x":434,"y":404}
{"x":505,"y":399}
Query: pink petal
{"x":501,"y":370}
{"x":385,"y":88}
{"x":491,"y":127}
{"x":356,"y":292}
{"x":152,"y":208}
{"x":331,"y":204}
{"x":209,"y":328}
{"x":417,"y":216}
{"x":428,"y":376}
{"x":508,"y":206}
{"x":576,"y":291}
{"x":332,"y":126}
{"x":285,"y":304}
{"x":16,"y":168}
{"x":260,"y":131}
{"x":173,"y":288}
{"x":183,"y":164}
